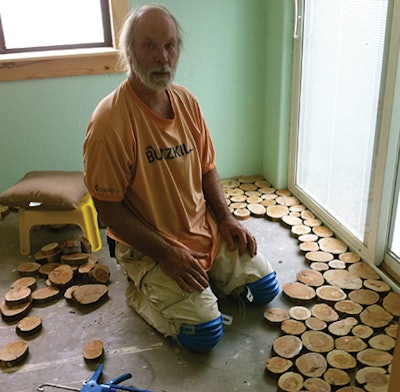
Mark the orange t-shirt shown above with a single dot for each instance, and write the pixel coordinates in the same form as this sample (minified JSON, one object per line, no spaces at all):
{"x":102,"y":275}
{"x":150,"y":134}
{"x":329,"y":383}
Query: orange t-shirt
{"x":155,"y":165}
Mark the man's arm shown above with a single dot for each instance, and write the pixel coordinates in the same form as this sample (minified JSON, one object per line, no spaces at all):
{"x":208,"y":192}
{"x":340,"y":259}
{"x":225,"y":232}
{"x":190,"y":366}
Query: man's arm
{"x":231,"y":230}
{"x":179,"y":263}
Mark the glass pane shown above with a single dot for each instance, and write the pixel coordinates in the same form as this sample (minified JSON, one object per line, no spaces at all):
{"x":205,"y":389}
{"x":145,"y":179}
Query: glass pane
{"x":343,"y":45}
{"x":38,"y":23}
{"x":395,"y":235}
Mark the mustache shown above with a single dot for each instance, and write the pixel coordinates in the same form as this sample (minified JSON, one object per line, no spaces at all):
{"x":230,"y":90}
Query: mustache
{"x":161,"y":69}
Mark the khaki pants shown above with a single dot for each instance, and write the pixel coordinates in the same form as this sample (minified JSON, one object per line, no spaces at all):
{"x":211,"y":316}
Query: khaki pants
{"x":164,"y":305}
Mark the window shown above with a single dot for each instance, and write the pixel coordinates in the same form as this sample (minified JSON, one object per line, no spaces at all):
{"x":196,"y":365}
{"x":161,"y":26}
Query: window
{"x":345,"y":126}
{"x":49,"y":47}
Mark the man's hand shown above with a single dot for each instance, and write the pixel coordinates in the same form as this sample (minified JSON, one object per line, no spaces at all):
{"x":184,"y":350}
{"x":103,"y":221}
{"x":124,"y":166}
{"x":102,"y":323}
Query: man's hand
{"x":236,"y":235}
{"x":183,"y":266}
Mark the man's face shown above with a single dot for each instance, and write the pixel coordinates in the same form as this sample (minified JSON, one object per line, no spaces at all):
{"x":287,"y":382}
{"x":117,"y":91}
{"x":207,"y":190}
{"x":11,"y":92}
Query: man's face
{"x":156,"y":50}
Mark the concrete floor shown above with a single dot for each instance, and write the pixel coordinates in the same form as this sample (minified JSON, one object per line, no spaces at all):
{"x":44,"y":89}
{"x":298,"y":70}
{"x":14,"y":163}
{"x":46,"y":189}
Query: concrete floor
{"x":131,"y":346}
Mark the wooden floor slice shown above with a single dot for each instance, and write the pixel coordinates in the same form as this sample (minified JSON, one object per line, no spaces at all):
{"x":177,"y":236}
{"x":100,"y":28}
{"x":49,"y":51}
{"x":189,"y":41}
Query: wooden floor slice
{"x":311,"y":364}
{"x":340,"y":359}
{"x":317,"y":341}
{"x":382,"y":342}
{"x":14,"y":313}
{"x":372,"y":378}
{"x":45,"y":295}
{"x":363,"y":270}
{"x":27,"y":281}
{"x":377,"y":285}
{"x":89,"y":293}
{"x":318,"y":256}
{"x":348,"y":307}
{"x":298,"y":292}
{"x":276,"y":212}
{"x":299,"y":313}
{"x":324,"y":312}
{"x":362,"y":331}
{"x":337,"y":377}
{"x":293,"y":327}
{"x":287,"y":346}
{"x":391,"y":303}
{"x":62,"y":275}
{"x":17,"y":296}
{"x":332,"y":245}
{"x":342,"y":327}
{"x":330,"y":294}
{"x":350,"y":344}
{"x":13,"y":353}
{"x":343,"y":279}
{"x":349,"y":257}
{"x":375,"y":316}
{"x":29,"y":268}
{"x":93,"y":350}
{"x":374,"y":357}
{"x":364,"y":296}
{"x":310,"y":277}
{"x":28,"y":326}
{"x":317,"y":385}
{"x":275,"y":316}
{"x":278,"y":365}
{"x":290,"y":382}
{"x":315,"y":324}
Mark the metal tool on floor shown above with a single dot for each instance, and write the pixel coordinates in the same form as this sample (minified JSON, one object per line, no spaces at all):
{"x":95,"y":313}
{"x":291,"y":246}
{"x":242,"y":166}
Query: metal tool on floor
{"x":92,"y":384}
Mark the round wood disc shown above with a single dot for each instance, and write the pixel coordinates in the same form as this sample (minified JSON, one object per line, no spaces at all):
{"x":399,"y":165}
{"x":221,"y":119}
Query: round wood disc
{"x":350,"y":389}
{"x":249,"y":179}
{"x":337,"y":378}
{"x":308,"y":238}
{"x":253,"y":194}
{"x":322,"y":231}
{"x":29,"y":268}
{"x":287,"y":346}
{"x":310,"y":277}
{"x":375,"y":316}
{"x":45,"y":295}
{"x":342,"y":327}
{"x":312,"y":222}
{"x":230,"y":183}
{"x":18,"y":296}
{"x":75,"y":258}
{"x":68,"y":292}
{"x":391,"y":330}
{"x":291,"y":220}
{"x":93,"y":350}
{"x":239,"y":206}
{"x":349,"y":257}
{"x":315,"y":324}
{"x":374,"y":357}
{"x":324,"y":312}
{"x":89,"y":293}
{"x":248,"y":187}
{"x":298,"y":230}
{"x":276,"y":212}
{"x":100,"y":273}
{"x":262,"y":183}
{"x":316,"y":385}
{"x":377,"y":285}
{"x":290,"y":382}
{"x":373,"y":379}
{"x":332,"y":245}
{"x":45,"y":269}
{"x":239,"y":199}
{"x":348,"y":307}
{"x":11,"y":314}
{"x":276,"y":316}
{"x":235,"y":192}
{"x":257,"y":210}
{"x":337,"y":264}
{"x":382,"y":342}
{"x":362,"y":331}
{"x":350,"y":344}
{"x":61,"y":275}
{"x":299,"y":292}
{"x":318,"y":256}
{"x":311,"y":364}
{"x":27,"y":281}
{"x":253,"y":199}
{"x":29,"y":326}
{"x":330,"y":293}
{"x":317,"y":341}
{"x":299,"y":313}
{"x":319,"y":266}
{"x":278,"y":365}
{"x":391,"y":303}
{"x":340,"y":359}
{"x":363,"y":270}
{"x":242,"y":213}
{"x":364,"y":296}
{"x":293,"y":327}
{"x":283,"y":192}
{"x":287,"y":200}
{"x":50,"y":249}
{"x":343,"y":279}
{"x":309,"y":247}
{"x":13,"y":353}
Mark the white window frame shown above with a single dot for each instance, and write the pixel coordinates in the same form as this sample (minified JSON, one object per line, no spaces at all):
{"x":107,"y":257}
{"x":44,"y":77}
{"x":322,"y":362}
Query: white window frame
{"x":386,"y":150}
{"x":59,"y":63}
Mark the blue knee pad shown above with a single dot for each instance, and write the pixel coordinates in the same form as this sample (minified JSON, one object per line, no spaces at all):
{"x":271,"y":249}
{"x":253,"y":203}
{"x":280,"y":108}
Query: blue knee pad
{"x":201,"y":337}
{"x":262,"y":291}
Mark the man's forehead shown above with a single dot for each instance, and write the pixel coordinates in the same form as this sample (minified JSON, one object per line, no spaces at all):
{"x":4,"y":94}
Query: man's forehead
{"x":153,"y":21}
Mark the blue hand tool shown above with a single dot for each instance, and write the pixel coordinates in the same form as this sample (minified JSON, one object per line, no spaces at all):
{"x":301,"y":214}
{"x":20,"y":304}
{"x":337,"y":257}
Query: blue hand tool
{"x":92,"y":384}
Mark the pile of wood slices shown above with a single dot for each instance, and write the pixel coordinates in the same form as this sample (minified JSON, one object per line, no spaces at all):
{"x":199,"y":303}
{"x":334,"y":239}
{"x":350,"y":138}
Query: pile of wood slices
{"x":60,"y":270}
{"x":340,"y":333}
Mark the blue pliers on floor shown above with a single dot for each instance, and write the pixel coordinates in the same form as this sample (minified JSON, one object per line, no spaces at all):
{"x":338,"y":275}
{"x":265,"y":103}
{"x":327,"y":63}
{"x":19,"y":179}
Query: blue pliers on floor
{"x":92,"y":384}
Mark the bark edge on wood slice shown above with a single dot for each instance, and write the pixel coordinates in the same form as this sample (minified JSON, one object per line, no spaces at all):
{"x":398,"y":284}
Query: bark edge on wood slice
{"x":18,"y":296}
{"x":391,"y":303}
{"x":29,"y":268}
{"x":10,"y":314}
{"x":13,"y":353}
{"x":275,"y":316}
{"x":93,"y":350}
{"x":26,"y":281}
{"x":45,"y":296}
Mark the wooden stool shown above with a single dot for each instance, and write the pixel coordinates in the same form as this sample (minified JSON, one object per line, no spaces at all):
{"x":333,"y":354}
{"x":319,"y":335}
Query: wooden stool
{"x":85,"y":216}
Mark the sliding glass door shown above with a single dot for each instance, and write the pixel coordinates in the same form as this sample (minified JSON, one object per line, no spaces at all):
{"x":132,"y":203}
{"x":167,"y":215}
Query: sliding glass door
{"x":345,"y":56}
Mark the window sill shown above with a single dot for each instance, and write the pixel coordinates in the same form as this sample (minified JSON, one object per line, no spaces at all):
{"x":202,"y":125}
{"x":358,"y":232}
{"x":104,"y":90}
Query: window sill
{"x":51,"y":64}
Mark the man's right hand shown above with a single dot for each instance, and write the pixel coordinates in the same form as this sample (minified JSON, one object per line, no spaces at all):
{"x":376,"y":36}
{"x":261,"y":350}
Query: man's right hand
{"x":183,"y":266}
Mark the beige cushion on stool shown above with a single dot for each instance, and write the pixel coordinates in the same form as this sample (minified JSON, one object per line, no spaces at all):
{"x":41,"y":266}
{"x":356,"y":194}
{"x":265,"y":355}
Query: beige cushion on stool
{"x":59,"y":198}
{"x":55,"y":190}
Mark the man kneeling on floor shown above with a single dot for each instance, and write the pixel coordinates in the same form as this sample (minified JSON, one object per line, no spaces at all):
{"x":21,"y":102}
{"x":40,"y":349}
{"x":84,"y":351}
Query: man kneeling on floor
{"x":150,"y":167}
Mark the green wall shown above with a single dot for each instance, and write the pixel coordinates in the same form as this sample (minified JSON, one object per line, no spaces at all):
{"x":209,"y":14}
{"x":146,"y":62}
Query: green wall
{"x":235,"y":59}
